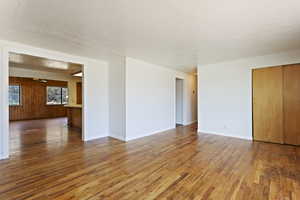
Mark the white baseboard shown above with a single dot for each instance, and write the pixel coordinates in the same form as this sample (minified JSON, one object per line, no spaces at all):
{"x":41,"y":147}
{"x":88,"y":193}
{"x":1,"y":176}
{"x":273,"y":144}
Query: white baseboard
{"x":3,"y":157}
{"x":118,"y":137}
{"x":189,"y":123}
{"x":225,"y":134}
{"x":95,"y":137}
{"x":148,"y":134}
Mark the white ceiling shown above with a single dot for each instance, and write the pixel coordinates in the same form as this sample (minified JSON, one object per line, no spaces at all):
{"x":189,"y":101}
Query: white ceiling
{"x":172,"y":33}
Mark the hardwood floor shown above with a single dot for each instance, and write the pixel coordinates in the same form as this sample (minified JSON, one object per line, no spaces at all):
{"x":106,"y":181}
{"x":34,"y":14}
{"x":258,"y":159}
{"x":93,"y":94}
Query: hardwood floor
{"x":44,"y":134}
{"x":177,"y":164}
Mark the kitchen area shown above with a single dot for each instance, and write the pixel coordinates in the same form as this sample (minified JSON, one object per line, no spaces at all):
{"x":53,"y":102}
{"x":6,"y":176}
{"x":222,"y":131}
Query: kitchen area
{"x":74,"y":107}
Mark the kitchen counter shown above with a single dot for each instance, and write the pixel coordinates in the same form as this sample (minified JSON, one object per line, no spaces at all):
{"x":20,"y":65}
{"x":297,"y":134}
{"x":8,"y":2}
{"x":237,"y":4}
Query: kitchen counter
{"x":74,"y":113}
{"x":73,"y":106}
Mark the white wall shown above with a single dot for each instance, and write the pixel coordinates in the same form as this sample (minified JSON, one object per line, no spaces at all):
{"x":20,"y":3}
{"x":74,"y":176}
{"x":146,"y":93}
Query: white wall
{"x":225,"y":93}
{"x":190,"y":109}
{"x":96,"y":100}
{"x":3,"y":114}
{"x":179,"y":101}
{"x":150,"y":98}
{"x":95,"y":86}
{"x":117,"y":108}
{"x":123,"y":97}
{"x":29,"y":73}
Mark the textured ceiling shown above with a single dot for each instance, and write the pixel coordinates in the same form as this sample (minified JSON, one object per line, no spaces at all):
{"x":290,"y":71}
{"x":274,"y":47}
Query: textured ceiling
{"x":176,"y":34}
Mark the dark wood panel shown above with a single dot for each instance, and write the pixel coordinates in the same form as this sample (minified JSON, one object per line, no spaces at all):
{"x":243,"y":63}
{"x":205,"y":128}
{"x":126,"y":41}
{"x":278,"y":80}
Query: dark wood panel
{"x":268,"y":104}
{"x":177,"y":164}
{"x":74,"y":117}
{"x":33,"y":100}
{"x":79,"y":92}
{"x":292,"y":104}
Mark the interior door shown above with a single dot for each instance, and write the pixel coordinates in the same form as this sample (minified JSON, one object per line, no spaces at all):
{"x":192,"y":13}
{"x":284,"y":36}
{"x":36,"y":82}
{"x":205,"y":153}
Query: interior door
{"x":268,"y":104}
{"x":291,"y":104}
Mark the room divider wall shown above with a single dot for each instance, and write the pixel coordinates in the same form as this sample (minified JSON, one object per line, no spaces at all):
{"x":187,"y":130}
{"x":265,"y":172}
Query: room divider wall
{"x":276,"y":104}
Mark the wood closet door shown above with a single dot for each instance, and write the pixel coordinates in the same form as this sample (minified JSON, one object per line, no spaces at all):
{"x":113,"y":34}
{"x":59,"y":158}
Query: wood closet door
{"x":291,"y":104}
{"x":268,"y":104}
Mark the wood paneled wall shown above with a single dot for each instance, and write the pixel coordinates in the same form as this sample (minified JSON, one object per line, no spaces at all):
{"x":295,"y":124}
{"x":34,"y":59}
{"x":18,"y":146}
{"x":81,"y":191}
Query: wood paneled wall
{"x":33,"y":100}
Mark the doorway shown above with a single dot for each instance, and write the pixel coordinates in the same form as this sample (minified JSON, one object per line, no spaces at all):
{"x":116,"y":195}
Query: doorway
{"x":179,"y":102}
{"x":43,"y":101}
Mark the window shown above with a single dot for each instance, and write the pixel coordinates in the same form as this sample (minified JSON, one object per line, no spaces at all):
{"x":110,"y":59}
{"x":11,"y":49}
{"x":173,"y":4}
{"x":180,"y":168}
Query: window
{"x":14,"y":95}
{"x":57,"y":95}
{"x":64,"y":92}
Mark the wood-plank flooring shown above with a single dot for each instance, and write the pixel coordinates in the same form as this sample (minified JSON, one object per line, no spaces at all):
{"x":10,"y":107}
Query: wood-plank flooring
{"x":49,"y":161}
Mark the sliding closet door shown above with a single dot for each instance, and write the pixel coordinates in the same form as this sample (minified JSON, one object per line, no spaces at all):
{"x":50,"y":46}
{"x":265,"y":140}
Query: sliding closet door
{"x":268,"y":104}
{"x":291,"y":104}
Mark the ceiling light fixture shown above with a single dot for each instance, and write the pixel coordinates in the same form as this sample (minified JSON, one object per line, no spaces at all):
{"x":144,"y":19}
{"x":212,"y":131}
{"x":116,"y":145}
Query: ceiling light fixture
{"x":78,"y":74}
{"x":55,"y":64}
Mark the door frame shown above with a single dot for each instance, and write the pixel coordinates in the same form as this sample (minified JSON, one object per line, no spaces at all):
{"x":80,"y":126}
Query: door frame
{"x":182,"y":100}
